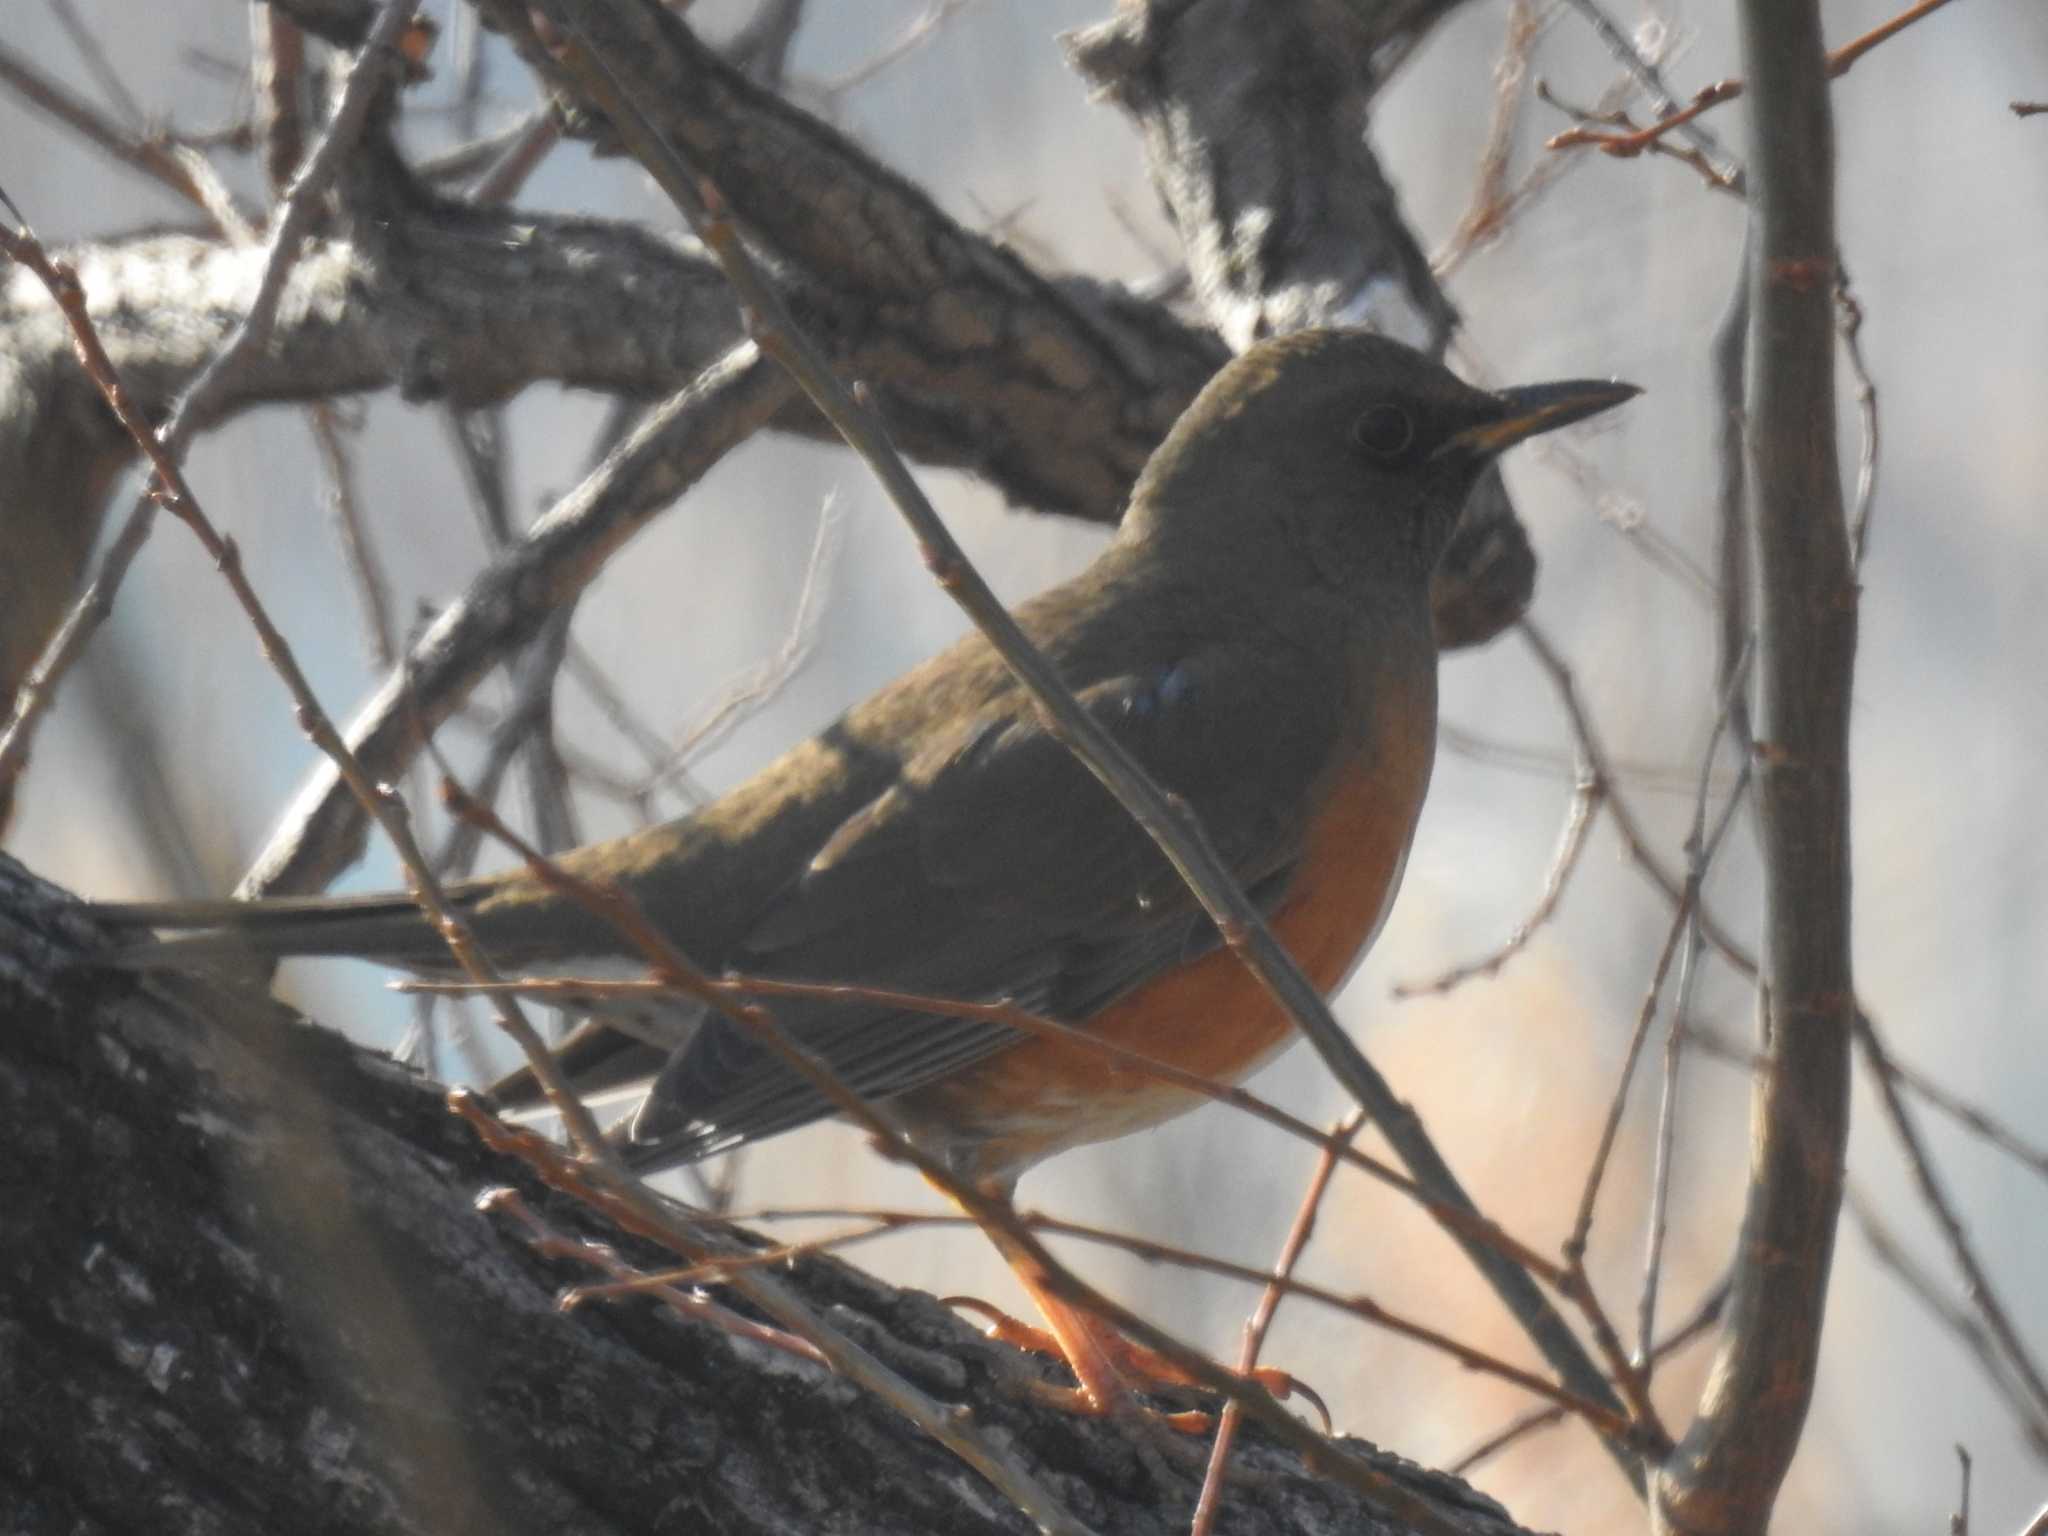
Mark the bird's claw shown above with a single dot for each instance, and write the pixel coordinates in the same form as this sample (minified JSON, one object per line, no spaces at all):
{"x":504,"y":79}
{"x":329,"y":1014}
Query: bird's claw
{"x":1133,"y":1362}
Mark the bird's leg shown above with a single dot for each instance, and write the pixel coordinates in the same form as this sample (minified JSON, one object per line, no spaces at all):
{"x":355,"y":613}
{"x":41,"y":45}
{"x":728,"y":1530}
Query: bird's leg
{"x":1105,"y":1363}
{"x":1128,"y":1360}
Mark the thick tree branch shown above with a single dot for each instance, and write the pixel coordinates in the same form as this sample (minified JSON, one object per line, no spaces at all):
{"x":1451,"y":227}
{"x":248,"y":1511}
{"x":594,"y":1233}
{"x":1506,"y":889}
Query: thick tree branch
{"x":1724,"y":1476}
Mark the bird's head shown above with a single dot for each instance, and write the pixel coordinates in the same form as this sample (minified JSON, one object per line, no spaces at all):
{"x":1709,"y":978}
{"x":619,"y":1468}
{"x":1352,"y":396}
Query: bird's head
{"x":1350,"y":449}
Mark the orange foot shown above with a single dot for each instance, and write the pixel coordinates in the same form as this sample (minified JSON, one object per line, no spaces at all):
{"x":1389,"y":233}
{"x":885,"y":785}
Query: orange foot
{"x":1107,"y":1364}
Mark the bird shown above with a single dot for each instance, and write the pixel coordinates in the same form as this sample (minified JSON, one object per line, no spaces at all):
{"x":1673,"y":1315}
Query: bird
{"x":1257,"y":635}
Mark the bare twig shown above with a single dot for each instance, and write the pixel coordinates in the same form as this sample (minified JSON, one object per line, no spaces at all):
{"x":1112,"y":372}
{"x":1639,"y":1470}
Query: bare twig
{"x":186,"y":173}
{"x":641,"y":736}
{"x":1633,"y":1372}
{"x":1624,"y":513}
{"x":531,"y":143}
{"x":1606,"y":116}
{"x":551,"y":1243}
{"x":359,"y":554}
{"x":476,"y":157}
{"x":1724,"y":168}
{"x":761,"y":47}
{"x":1632,"y":835}
{"x":94,"y":56}
{"x":920,"y":30}
{"x":1838,"y":63}
{"x":1209,"y":1504}
{"x":1656,"y":1227}
{"x":1603,"y":1150}
{"x":1844,"y":58}
{"x":1703,"y":1318}
{"x":1937,"y":1297}
{"x":1492,"y":203}
{"x":1587,"y":795}
{"x":1699,"y":854}
{"x":1983,"y":1295}
{"x":2030,"y":1154}
{"x":380,"y":625}
{"x":1545,"y":763}
{"x":747,"y":694}
{"x":279,"y":67}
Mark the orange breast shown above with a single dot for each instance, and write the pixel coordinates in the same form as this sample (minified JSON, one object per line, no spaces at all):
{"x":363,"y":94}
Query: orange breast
{"x":1211,"y":1016}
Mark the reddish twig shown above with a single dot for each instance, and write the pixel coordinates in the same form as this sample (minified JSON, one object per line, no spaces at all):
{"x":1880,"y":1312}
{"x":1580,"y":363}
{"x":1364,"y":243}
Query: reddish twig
{"x":1625,"y":144}
{"x":1493,"y":203}
{"x":1628,"y":144}
{"x":553,"y":1244}
{"x":1719,"y":175}
{"x":1721,"y":168}
{"x":1257,"y":1325}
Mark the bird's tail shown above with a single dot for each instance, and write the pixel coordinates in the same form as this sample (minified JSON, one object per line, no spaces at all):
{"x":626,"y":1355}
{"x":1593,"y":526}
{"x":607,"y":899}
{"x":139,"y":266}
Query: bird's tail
{"x":183,"y":934}
{"x":619,"y":1044}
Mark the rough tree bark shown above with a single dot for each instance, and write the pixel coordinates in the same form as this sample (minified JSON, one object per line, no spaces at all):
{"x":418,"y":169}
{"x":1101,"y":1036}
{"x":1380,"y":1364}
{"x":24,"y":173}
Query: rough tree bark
{"x":246,"y":1288}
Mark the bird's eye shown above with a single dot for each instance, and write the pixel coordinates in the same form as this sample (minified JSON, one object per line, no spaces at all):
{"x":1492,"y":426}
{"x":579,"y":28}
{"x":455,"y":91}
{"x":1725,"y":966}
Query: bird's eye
{"x":1385,"y":431}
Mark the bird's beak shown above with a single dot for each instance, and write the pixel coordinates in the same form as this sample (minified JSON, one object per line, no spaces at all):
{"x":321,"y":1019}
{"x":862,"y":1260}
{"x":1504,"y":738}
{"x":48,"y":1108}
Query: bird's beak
{"x":1535,"y":408}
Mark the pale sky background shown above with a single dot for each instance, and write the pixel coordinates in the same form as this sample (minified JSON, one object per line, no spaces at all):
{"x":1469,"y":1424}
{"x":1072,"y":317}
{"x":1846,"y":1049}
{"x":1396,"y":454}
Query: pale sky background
{"x":1622,"y":270}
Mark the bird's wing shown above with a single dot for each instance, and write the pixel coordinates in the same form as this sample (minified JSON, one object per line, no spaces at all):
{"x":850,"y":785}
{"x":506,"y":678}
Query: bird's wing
{"x":996,"y":866}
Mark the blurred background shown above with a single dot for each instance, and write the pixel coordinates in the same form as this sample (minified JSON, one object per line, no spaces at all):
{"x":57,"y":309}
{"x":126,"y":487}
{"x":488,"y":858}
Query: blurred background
{"x":173,"y":750}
